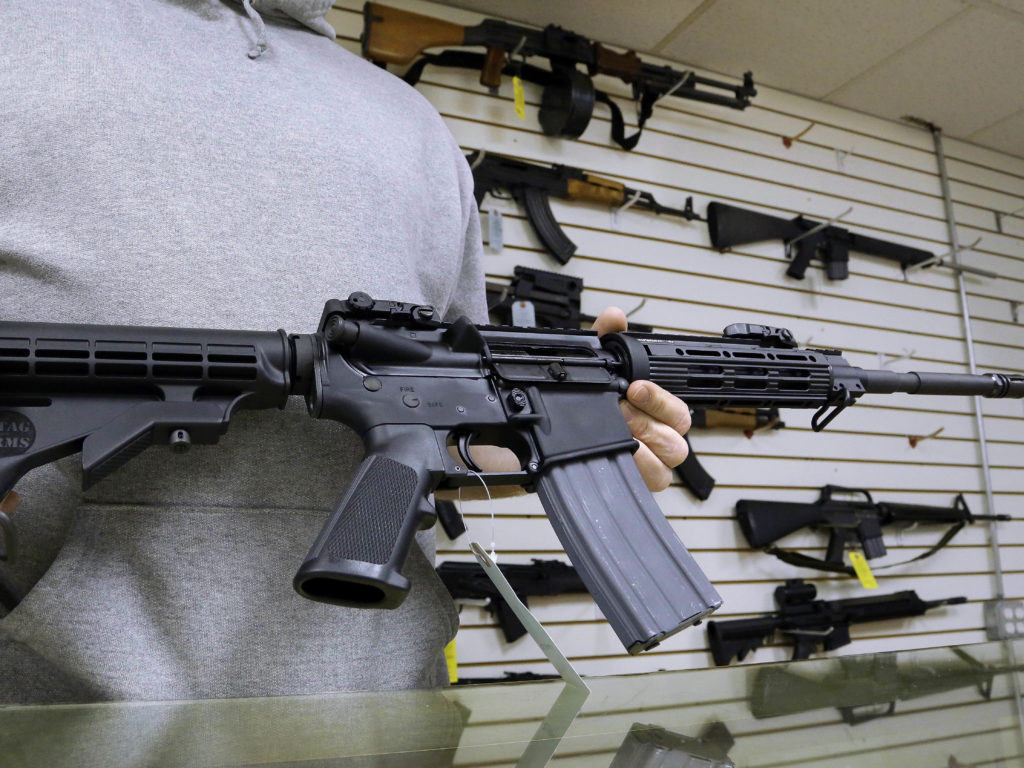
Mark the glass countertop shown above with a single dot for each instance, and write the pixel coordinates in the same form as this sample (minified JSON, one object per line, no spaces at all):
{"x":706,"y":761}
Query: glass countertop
{"x":941,"y":708}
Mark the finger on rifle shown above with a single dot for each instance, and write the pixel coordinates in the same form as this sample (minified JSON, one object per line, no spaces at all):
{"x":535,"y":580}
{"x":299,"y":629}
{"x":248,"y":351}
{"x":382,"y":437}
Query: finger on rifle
{"x":656,"y":475}
{"x":659,"y":403}
{"x":612,"y":320}
{"x":662,"y":439}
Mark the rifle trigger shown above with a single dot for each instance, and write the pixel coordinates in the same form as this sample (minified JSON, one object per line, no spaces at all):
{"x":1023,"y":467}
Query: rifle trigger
{"x":464,"y":452}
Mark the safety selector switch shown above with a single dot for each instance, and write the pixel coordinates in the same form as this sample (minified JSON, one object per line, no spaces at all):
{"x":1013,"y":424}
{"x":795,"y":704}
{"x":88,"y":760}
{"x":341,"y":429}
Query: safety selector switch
{"x":766,"y":335}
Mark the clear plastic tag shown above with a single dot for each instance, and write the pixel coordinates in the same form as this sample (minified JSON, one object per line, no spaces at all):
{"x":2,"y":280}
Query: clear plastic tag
{"x":495,"y":231}
{"x":524,"y":314}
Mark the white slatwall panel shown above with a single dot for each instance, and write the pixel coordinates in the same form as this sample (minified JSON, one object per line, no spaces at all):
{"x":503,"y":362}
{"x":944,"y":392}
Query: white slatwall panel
{"x":890,"y":179}
{"x":924,"y":730}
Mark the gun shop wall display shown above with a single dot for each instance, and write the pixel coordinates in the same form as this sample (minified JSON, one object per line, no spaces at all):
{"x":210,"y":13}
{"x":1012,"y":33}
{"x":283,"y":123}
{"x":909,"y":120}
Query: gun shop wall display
{"x":711,"y":220}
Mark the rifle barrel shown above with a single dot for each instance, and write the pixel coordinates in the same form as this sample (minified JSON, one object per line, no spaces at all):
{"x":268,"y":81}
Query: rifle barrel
{"x":984,"y":385}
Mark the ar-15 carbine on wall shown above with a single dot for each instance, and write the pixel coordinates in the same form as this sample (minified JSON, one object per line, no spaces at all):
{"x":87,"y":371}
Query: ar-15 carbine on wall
{"x":538,"y":299}
{"x":392,"y":36}
{"x":858,"y":685}
{"x":765,"y":522}
{"x":812,"y":622}
{"x":411,"y":386}
{"x":805,"y":240}
{"x":532,"y":185}
{"x":541,"y":577}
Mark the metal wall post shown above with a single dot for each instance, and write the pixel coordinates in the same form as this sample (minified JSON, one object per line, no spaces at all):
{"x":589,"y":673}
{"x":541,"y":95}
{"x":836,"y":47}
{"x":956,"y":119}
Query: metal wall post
{"x":954,"y":244}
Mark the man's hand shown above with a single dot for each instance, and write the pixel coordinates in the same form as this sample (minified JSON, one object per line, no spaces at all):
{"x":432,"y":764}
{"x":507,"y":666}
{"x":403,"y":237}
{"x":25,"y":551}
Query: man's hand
{"x":656,"y":418}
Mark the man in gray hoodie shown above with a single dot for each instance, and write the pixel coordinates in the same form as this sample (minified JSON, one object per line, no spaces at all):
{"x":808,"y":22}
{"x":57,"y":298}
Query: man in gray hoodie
{"x":173,"y":162}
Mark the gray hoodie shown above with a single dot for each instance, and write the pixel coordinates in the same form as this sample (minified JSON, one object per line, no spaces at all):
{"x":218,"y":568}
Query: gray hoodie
{"x":155,"y":174}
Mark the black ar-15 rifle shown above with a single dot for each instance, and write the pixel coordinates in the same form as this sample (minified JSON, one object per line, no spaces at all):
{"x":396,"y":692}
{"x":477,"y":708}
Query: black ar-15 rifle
{"x":532,"y":185}
{"x":805,"y":240}
{"x":392,"y":36}
{"x":765,"y":522}
{"x":541,"y":577}
{"x":411,"y":386}
{"x":812,"y":622}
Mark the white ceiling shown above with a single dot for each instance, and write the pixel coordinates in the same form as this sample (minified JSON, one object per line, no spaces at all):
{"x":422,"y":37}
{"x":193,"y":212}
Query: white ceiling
{"x":956,"y":63}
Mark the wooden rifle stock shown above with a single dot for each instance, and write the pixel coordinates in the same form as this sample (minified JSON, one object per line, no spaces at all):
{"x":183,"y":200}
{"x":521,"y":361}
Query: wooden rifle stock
{"x":393,"y":36}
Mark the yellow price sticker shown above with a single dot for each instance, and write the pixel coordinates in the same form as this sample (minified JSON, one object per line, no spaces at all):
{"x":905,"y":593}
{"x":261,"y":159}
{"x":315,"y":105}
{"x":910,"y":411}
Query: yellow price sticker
{"x":519,"y":98}
{"x":863,"y":571}
{"x":449,"y":659}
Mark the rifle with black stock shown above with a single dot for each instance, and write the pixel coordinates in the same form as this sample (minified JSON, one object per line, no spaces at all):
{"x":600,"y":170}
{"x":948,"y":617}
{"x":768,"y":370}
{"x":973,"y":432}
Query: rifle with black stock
{"x":393,"y":36}
{"x":812,"y":622}
{"x":538,"y":299}
{"x":858,"y":685}
{"x":532,"y":185}
{"x":541,"y":577}
{"x":411,"y":386}
{"x":805,"y":240}
{"x":846,"y":521}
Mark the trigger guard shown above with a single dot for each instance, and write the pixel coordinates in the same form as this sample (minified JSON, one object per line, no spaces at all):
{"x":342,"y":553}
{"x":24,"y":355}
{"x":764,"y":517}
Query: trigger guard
{"x":464,"y":454}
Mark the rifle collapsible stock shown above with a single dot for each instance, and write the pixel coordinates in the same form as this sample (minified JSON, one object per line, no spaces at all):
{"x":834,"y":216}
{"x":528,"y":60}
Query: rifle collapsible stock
{"x":411,"y":386}
{"x":393,"y":36}
{"x":532,"y":185}
{"x":542,"y":577}
{"x":812,"y":622}
{"x":729,"y":226}
{"x":765,"y":522}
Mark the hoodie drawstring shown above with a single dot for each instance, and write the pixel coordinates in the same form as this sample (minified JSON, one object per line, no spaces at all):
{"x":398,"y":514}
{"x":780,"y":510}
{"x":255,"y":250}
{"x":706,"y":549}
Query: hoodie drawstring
{"x":261,"y":30}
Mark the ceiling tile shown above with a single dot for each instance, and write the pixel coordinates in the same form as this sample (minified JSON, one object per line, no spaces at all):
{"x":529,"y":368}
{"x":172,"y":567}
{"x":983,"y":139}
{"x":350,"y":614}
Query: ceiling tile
{"x":808,"y":47}
{"x":963,"y":77}
{"x":1007,"y":135}
{"x":1017,"y":6}
{"x":605,"y":21}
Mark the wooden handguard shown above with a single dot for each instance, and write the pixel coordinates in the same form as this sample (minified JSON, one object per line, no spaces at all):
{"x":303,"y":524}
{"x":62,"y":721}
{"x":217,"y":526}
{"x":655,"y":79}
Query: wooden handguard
{"x":596,"y":190}
{"x":731,"y":418}
{"x":625,"y":66}
{"x":397,"y":37}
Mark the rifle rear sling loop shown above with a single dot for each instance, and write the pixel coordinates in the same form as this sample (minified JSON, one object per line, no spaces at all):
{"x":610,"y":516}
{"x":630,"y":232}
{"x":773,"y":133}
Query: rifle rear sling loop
{"x":817,"y":423}
{"x":480,"y":155}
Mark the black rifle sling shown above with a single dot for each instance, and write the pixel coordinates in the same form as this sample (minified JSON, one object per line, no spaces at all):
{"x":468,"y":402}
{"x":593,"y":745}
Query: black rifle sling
{"x":801,"y":560}
{"x":537,"y":76}
{"x":619,"y":125}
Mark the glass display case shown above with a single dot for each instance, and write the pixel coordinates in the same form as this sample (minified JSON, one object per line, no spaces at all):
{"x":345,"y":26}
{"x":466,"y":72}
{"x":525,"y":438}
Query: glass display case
{"x":940,"y":707}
